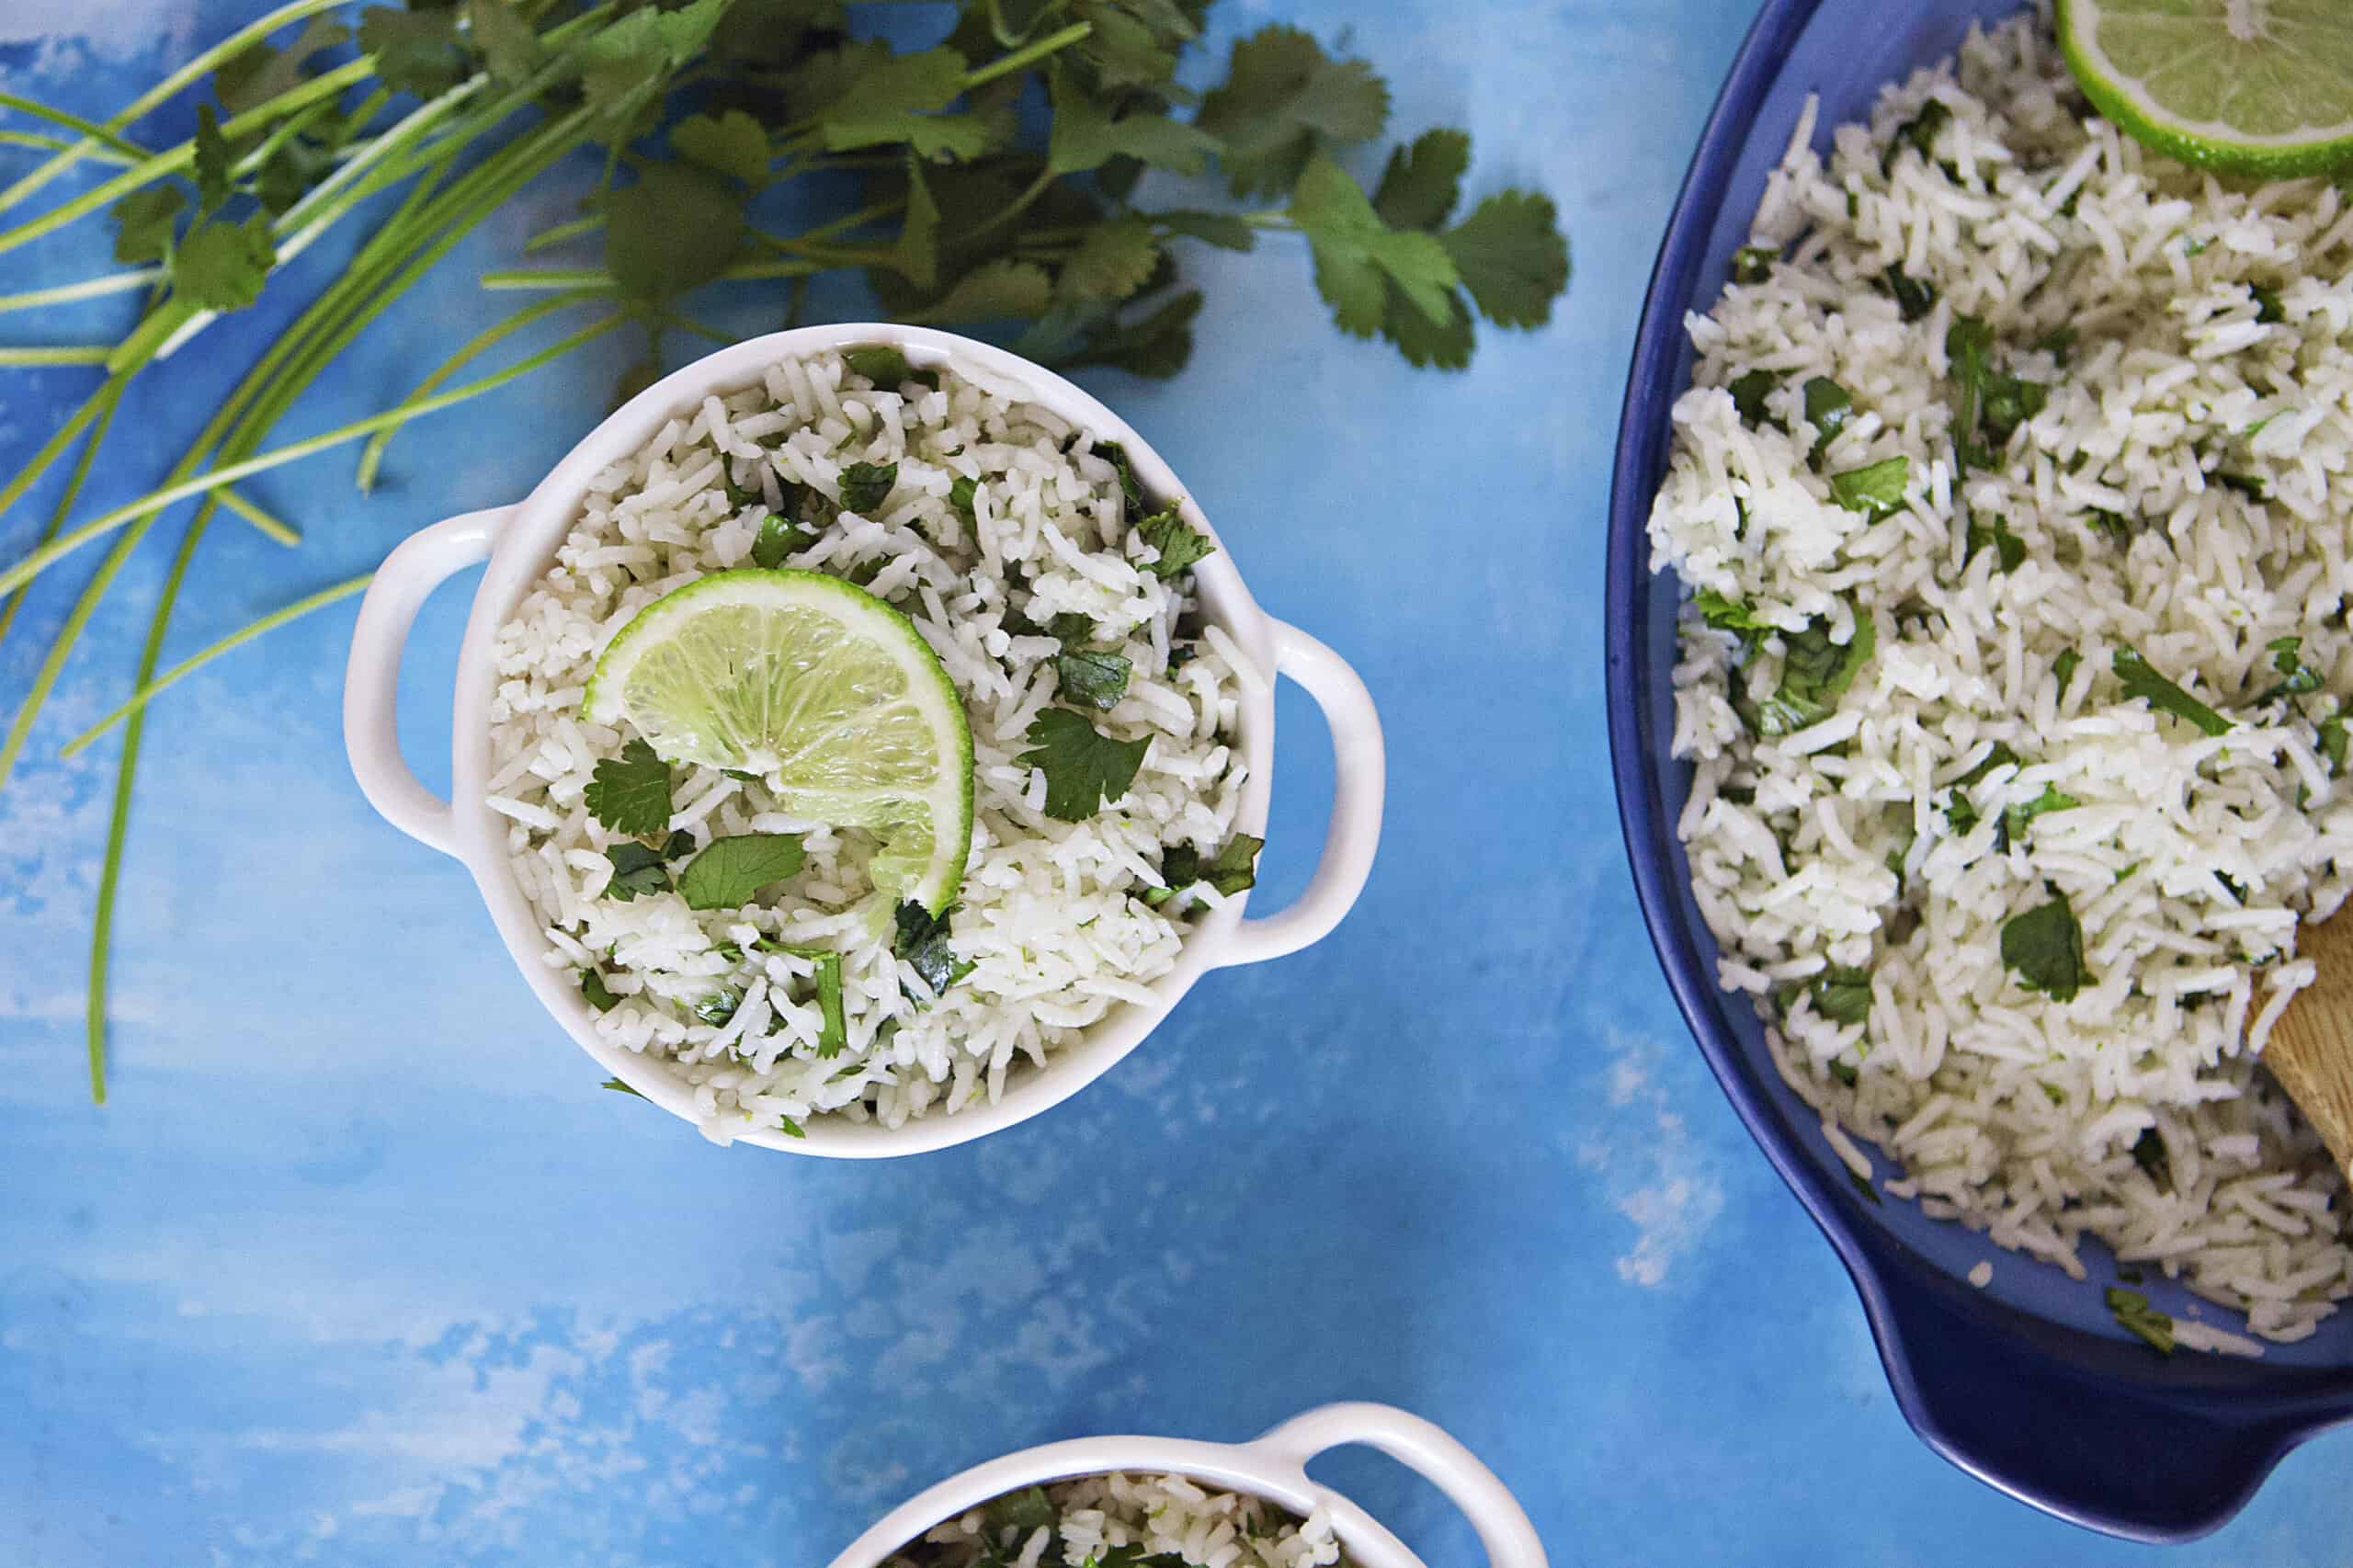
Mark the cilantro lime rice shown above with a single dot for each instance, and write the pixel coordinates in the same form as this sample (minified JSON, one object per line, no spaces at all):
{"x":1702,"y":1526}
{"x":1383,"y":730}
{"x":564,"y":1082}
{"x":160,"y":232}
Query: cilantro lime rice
{"x":1122,"y":1521}
{"x":749,"y":951}
{"x":2011,"y":493}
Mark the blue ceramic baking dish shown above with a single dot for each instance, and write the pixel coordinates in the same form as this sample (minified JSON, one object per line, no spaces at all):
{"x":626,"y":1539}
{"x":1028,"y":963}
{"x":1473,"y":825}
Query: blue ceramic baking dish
{"x":2027,"y":1384}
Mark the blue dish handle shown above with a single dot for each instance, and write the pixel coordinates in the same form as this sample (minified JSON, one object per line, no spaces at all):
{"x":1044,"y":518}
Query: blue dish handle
{"x":2103,"y":1434}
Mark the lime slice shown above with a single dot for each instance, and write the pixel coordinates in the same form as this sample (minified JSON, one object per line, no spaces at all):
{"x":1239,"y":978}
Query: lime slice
{"x":824,"y":690}
{"x":2261,"y":87}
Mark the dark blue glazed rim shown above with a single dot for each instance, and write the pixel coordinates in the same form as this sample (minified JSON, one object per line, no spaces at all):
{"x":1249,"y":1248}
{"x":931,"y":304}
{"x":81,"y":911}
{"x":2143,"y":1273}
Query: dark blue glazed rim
{"x":2019,"y":1387}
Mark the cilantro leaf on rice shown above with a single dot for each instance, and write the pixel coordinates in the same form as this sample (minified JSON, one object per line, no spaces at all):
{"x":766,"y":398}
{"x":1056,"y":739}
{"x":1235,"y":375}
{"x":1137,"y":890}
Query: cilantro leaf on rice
{"x":731,"y":870}
{"x":1085,"y":768}
{"x":2143,"y":681}
{"x":1179,"y":544}
{"x":923,"y":942}
{"x":631,"y":793}
{"x":1230,"y":871}
{"x":2045,"y":947}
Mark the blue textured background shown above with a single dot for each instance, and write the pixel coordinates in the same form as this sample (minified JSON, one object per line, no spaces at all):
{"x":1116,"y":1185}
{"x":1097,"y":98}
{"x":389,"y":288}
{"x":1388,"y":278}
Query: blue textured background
{"x":360,"y":1267}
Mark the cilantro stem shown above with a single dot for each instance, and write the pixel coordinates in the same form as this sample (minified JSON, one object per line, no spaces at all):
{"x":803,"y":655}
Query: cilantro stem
{"x":371,"y":457}
{"x":236,"y":44}
{"x":196,"y":660}
{"x":116,"y":145}
{"x":686,"y":324}
{"x":57,"y":144}
{"x":88,"y":288}
{"x":1028,"y":54}
{"x":147,"y":506}
{"x":53,"y":662}
{"x":99,"y":413}
{"x":598,"y":281}
{"x":77,"y":353}
{"x":548,"y":239}
{"x":52,"y":449}
{"x":174,"y":159}
{"x":269,"y":527}
{"x":1020,"y":204}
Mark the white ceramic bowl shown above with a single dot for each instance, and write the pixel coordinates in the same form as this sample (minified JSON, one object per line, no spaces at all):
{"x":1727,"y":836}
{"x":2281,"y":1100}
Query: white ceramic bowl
{"x":519,"y":541}
{"x":1273,"y":1467}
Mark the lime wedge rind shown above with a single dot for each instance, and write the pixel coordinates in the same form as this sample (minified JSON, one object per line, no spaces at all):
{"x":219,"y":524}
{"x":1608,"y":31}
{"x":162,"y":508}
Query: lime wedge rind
{"x":2316,"y":145}
{"x":822,"y":688}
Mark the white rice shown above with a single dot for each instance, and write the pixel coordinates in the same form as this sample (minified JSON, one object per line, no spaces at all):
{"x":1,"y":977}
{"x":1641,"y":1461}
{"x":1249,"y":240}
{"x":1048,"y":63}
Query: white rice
{"x":1048,"y":915}
{"x":1167,"y":1515}
{"x":2016,"y":1113}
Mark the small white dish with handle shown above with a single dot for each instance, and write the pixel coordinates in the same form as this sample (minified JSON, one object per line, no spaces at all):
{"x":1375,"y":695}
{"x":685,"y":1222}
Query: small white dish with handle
{"x":519,"y":541}
{"x":1273,"y":1467}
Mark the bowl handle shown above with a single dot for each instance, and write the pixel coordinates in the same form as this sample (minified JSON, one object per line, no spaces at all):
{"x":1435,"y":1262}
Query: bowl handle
{"x":2132,"y":1459}
{"x":371,"y":685}
{"x":1360,"y":768}
{"x":1503,"y":1526}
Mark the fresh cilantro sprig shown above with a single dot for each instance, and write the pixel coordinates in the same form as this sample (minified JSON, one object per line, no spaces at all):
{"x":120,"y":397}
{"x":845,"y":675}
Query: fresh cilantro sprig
{"x":631,"y":793}
{"x":2142,"y":680}
{"x":1231,"y":870}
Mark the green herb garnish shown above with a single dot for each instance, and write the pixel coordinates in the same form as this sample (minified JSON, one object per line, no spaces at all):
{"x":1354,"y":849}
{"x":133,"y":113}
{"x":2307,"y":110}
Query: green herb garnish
{"x":730,"y":871}
{"x":922,"y":942}
{"x":1230,"y":871}
{"x":2014,"y":819}
{"x":718,"y":1006}
{"x":2134,"y":1315}
{"x":2045,"y":946}
{"x":1876,"y":491}
{"x":778,"y":540}
{"x":1748,"y":391}
{"x":1842,"y":995}
{"x":885,"y":367}
{"x":2267,"y":304}
{"x":866,"y":486}
{"x":1754,"y":263}
{"x":1179,"y":544}
{"x":2008,"y":549}
{"x":2297,"y":678}
{"x":2140,"y":680}
{"x":631,"y":793}
{"x":2065,"y":667}
{"x":1828,"y":407}
{"x":2149,"y":1153}
{"x":1914,"y":297}
{"x":599,"y":995}
{"x":1084,"y":768}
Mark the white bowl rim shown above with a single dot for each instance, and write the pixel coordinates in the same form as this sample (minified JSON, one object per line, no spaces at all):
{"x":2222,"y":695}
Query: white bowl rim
{"x":1272,"y":1465}
{"x":519,"y":540}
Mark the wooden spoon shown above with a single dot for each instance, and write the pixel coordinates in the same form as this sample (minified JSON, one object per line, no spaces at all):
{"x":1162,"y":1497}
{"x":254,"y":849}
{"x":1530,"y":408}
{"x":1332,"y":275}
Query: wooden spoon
{"x":2310,"y":1048}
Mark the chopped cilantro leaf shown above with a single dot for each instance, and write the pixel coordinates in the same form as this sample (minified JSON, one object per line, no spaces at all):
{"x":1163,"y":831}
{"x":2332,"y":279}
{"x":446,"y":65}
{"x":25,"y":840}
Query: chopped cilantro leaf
{"x":833,"y":1034}
{"x":1084,"y":768}
{"x":2135,"y":1316}
{"x":1232,"y":870}
{"x":790,"y":1127}
{"x":778,"y":540}
{"x":1863,"y":1186}
{"x":631,"y":793}
{"x":2250,"y":485}
{"x":2045,"y":946}
{"x":599,"y":995}
{"x":1842,"y":995}
{"x":1096,"y":680}
{"x":720,"y":1005}
{"x":2059,"y":343}
{"x":1913,"y":298}
{"x":1027,"y":1512}
{"x":2008,"y":549}
{"x":1754,"y":263}
{"x":1828,"y":407}
{"x":1748,"y":392}
{"x":1875,"y":490}
{"x":2267,"y":304}
{"x":2331,"y":735}
{"x":887,"y":368}
{"x":1179,"y":544}
{"x":922,"y":941}
{"x":730,"y":871}
{"x":1919,"y":133}
{"x":2017,"y":818}
{"x":618,"y":1087}
{"x":962,"y":494}
{"x":2065,"y":667}
{"x":2298,"y":678}
{"x":2149,"y":1153}
{"x":865,"y":486}
{"x":2140,"y":680}
{"x":638,"y":871}
{"x":1845,"y":1072}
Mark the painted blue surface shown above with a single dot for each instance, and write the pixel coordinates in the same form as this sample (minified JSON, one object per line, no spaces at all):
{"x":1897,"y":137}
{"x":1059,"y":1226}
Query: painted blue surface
{"x":360,"y":1267}
{"x":2026,"y":1382}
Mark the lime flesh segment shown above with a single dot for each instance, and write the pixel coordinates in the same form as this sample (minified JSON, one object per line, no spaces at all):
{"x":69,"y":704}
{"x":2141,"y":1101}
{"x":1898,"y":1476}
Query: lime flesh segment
{"x":824,"y":690}
{"x":2257,"y":87}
